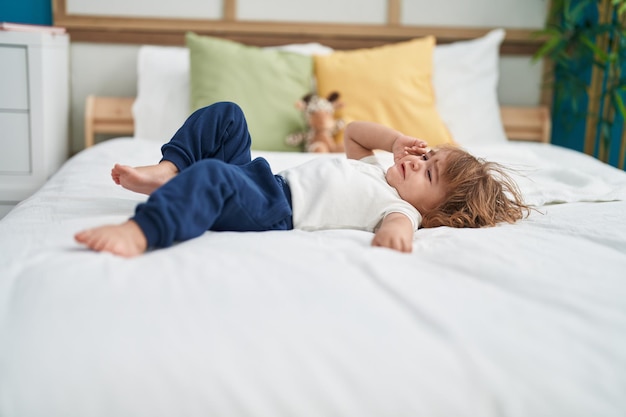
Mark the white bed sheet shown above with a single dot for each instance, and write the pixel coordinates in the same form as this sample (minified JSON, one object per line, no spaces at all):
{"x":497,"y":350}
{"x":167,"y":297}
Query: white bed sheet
{"x":516,"y":320}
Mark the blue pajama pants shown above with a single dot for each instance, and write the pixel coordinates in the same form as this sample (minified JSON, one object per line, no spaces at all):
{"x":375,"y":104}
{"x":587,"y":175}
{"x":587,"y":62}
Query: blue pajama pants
{"x":218,"y":186}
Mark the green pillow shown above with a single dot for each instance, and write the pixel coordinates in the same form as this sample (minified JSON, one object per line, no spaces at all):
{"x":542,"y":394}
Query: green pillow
{"x":266,"y":83}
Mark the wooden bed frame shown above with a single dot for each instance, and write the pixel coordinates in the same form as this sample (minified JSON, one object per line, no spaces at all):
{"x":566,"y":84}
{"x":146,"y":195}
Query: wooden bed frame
{"x":113,"y":115}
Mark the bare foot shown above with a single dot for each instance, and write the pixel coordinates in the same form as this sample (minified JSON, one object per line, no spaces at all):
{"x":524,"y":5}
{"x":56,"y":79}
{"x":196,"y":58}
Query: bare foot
{"x":143,"y":179}
{"x":125,"y":239}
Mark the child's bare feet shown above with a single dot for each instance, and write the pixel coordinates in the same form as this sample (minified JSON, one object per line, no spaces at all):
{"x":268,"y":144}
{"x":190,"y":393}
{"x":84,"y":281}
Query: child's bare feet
{"x":143,"y":179}
{"x":125,"y":239}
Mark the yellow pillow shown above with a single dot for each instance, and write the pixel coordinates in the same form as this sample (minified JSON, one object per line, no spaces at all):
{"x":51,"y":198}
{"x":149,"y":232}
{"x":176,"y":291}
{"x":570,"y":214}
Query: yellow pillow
{"x":390,"y":84}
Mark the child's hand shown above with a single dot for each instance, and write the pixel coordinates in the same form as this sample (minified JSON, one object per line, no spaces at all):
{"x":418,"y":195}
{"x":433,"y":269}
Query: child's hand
{"x":395,"y":232}
{"x":406,"y":145}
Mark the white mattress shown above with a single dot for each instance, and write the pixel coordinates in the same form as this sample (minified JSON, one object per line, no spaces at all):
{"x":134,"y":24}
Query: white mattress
{"x":517,"y":320}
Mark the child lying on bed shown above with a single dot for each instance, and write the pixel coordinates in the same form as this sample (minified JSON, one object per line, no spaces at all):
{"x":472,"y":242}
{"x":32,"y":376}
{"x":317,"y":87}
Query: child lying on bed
{"x":206,"y":180}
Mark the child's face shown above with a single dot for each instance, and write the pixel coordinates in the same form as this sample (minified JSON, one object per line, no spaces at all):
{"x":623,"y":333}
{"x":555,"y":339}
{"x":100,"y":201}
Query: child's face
{"x":417,"y":179}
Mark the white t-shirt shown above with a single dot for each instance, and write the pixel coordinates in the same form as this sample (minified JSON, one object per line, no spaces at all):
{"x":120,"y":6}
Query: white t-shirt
{"x":338,"y":193}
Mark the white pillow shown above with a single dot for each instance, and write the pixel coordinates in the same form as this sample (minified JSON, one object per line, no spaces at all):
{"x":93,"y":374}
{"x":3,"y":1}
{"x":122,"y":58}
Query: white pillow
{"x":465,"y":80}
{"x":162,"y":102}
{"x":163,"y":99}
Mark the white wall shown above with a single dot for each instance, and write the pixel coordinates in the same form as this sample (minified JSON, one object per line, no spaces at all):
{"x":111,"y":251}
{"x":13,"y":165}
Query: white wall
{"x":475,"y":13}
{"x":104,"y":69}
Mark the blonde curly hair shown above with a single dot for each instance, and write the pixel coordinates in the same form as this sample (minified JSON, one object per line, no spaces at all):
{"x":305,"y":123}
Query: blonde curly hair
{"x":479,"y":193}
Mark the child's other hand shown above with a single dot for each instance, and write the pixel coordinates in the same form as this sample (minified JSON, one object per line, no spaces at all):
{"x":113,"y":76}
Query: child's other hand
{"x":395,"y":232}
{"x":406,"y":145}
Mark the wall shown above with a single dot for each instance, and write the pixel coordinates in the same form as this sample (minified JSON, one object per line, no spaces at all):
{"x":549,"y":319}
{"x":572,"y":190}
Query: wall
{"x":37,"y":12}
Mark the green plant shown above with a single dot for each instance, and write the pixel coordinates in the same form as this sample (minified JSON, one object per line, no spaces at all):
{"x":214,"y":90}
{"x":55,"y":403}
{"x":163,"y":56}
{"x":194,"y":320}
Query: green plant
{"x":586,"y":42}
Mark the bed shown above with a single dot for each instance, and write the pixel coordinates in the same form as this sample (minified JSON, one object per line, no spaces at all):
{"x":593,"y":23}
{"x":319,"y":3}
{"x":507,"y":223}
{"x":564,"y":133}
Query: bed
{"x":524,"y":319}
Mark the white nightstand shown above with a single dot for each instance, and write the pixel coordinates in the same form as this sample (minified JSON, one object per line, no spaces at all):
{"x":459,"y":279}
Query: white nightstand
{"x":34,"y":111}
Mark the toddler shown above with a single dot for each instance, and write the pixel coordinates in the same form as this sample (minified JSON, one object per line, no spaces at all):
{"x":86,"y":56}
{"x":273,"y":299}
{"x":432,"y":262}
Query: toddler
{"x":206,"y":180}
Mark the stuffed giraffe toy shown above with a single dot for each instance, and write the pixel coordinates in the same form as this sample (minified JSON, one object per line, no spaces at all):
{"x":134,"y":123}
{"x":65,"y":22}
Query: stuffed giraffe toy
{"x":322,"y":124}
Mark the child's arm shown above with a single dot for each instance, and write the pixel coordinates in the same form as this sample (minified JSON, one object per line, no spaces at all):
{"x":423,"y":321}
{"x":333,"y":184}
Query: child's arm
{"x":361,"y":138}
{"x":395,"y":232}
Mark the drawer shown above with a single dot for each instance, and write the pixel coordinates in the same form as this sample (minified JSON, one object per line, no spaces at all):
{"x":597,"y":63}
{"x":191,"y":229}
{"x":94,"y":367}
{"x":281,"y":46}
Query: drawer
{"x":14,"y":143}
{"x":14,"y":78}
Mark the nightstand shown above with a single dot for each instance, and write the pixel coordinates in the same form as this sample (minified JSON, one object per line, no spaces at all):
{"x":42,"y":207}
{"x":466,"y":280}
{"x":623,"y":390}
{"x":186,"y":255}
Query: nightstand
{"x":34,"y":111}
{"x":108,"y":115}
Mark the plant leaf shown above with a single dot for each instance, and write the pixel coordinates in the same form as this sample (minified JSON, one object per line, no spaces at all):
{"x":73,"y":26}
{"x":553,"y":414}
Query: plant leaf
{"x":546,"y":49}
{"x":617,"y":97}
{"x":598,"y":52}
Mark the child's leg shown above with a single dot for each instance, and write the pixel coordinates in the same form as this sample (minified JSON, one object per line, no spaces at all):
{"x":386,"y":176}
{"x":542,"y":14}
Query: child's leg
{"x":226,"y":191}
{"x":214,"y":195}
{"x":217,"y":131}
